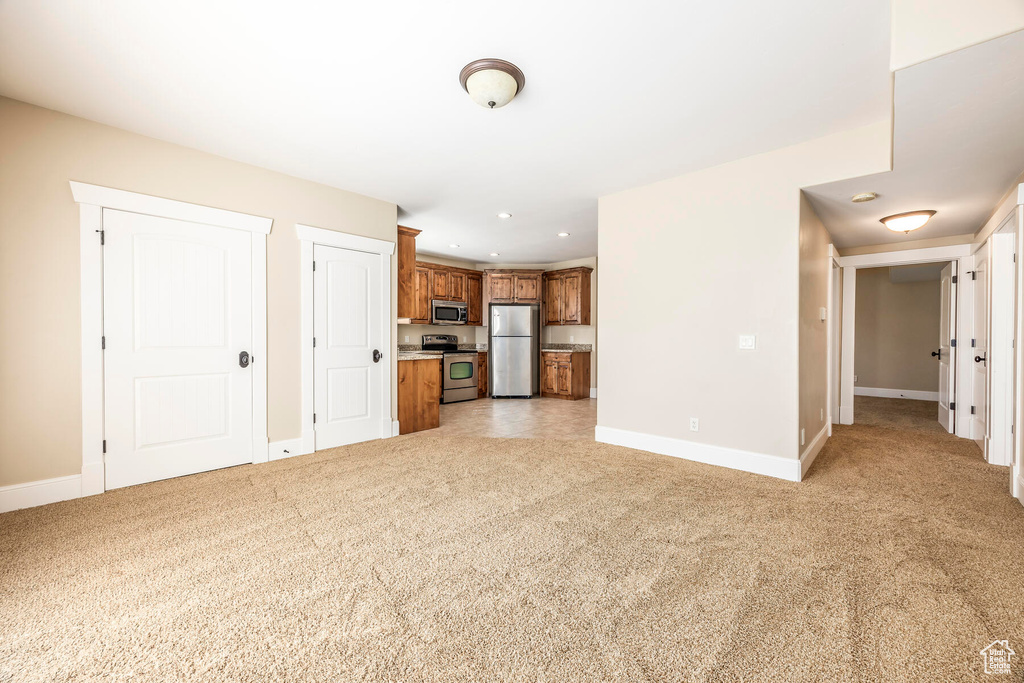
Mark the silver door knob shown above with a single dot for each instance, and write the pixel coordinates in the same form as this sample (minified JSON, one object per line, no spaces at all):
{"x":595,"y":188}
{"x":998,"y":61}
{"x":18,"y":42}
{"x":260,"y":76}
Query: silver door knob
{"x":377,"y":355}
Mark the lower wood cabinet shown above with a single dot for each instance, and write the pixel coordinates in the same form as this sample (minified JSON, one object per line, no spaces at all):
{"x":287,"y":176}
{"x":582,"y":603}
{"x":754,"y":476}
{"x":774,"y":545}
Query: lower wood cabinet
{"x":565,"y":374}
{"x":419,"y":395}
{"x":481,"y":375}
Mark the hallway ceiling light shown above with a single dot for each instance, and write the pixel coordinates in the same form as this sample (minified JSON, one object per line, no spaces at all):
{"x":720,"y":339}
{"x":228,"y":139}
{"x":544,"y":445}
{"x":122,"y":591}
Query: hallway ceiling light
{"x":492,"y":82}
{"x":454,"y":246}
{"x":504,"y":214}
{"x":563,"y":234}
{"x":905,"y":222}
{"x":864,"y":197}
{"x":494,"y":253}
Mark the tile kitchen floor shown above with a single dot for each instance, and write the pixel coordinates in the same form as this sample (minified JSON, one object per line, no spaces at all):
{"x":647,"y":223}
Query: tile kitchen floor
{"x":535,"y":418}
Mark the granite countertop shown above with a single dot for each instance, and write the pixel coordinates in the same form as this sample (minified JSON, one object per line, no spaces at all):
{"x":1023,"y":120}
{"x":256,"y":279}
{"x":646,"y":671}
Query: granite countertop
{"x":567,"y":348}
{"x":419,"y":355}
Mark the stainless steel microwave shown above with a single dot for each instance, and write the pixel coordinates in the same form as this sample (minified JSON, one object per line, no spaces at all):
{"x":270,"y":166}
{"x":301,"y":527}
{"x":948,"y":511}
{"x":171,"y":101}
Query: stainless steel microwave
{"x":448,"y":312}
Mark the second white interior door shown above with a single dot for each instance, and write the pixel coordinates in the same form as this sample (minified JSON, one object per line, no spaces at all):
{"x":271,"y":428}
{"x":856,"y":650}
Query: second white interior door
{"x":947,"y":332}
{"x":979,"y":352}
{"x":348,"y":362}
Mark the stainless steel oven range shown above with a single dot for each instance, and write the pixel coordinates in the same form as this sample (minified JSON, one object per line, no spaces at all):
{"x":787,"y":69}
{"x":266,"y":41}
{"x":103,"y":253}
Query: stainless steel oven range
{"x":458,"y":369}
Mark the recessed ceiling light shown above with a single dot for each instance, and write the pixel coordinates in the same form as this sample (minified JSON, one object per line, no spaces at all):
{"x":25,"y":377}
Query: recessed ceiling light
{"x":563,"y":234}
{"x":454,"y":246}
{"x":504,"y":214}
{"x":864,"y":197}
{"x":905,"y":222}
{"x":494,"y":253}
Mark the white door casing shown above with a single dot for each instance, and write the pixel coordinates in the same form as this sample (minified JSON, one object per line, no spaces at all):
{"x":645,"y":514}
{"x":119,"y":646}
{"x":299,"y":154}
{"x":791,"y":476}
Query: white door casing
{"x":348,"y":347}
{"x":92,"y":199}
{"x":177,"y":316}
{"x":1002,"y":358}
{"x":947,"y":358}
{"x":979,"y":349}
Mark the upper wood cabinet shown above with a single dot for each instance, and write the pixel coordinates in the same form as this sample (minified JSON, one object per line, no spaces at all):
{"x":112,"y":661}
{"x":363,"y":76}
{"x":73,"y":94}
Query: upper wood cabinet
{"x":406,"y":272}
{"x":567,"y":296}
{"x":513,"y":286}
{"x":457,"y":286}
{"x":475,"y":298}
{"x":421,"y":294}
{"x":439,"y":284}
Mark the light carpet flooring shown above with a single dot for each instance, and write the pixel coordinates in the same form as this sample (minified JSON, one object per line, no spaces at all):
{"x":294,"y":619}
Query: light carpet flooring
{"x":429,"y":558}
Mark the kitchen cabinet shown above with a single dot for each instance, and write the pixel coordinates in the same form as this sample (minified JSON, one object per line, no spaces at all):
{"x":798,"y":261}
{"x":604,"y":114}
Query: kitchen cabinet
{"x":407,"y":272}
{"x":432,"y":281}
{"x":475,"y":298}
{"x":513,"y":286}
{"x":419,"y":395}
{"x":567,"y":296}
{"x":481,"y":375}
{"x":421,"y":295}
{"x":565,"y":374}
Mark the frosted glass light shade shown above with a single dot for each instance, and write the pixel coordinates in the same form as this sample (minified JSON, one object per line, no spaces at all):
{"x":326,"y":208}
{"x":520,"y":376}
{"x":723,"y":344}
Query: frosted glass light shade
{"x":905,"y":222}
{"x":491,"y":88}
{"x":492,"y":83}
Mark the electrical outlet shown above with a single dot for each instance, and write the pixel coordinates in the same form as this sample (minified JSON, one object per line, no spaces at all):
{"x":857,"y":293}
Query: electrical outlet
{"x":748,"y":342}
{"x":694,"y":424}
{"x":406,"y":339}
{"x":855,"y":379}
{"x":463,"y":338}
{"x":822,"y":414}
{"x":802,"y":437}
{"x":571,"y":339}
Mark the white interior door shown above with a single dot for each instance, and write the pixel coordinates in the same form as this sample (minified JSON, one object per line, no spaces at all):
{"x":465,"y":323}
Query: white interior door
{"x":177,"y":306}
{"x":979,"y":408}
{"x":947,"y":332}
{"x":348,"y":328}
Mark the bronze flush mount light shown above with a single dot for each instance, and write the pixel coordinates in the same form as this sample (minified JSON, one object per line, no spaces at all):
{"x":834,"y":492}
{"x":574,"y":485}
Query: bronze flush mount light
{"x":492,"y":83}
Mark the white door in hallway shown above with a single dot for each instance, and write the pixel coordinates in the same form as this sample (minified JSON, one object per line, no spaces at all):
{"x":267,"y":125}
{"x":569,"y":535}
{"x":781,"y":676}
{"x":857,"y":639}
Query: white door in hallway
{"x":177,"y":307}
{"x":947,"y":332}
{"x":979,"y":351}
{"x":349,"y":315}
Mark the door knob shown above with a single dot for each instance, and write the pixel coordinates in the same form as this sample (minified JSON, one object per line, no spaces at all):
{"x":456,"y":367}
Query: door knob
{"x":377,"y":355}
{"x":937,"y":353}
{"x":979,"y":359}
{"x":243,"y":359}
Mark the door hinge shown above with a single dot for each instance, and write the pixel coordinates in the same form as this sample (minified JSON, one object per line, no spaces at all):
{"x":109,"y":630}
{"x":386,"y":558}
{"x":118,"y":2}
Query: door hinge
{"x":974,"y":274}
{"x":103,"y":343}
{"x":104,"y":445}
{"x":314,"y":418}
{"x":973,"y":410}
{"x":314,"y":342}
{"x":952,"y":343}
{"x":954,"y":279}
{"x":972,"y":342}
{"x":952,"y":405}
{"x":103,"y":239}
{"x":314,"y":265}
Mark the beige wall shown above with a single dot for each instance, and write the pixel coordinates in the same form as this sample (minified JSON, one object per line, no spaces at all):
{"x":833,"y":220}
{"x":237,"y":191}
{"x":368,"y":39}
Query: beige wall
{"x":39,"y":266}
{"x":692,"y":262}
{"x":897,"y":329}
{"x":815,"y":272}
{"x":923,"y":29}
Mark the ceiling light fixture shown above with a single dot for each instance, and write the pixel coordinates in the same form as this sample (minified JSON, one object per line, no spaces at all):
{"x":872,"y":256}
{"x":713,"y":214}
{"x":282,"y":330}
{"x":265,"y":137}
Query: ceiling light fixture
{"x":864,"y":197}
{"x":563,"y":234}
{"x":492,"y":83}
{"x":494,"y":253}
{"x":454,"y":246}
{"x":905,"y":222}
{"x":504,"y":214}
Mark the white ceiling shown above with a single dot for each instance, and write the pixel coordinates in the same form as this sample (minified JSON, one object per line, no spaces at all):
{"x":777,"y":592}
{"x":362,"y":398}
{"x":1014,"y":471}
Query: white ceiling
{"x":958,"y":147}
{"x":365,"y":96}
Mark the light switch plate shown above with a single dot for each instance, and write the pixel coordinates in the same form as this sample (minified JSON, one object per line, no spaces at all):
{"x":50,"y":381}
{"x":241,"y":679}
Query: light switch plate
{"x":748,"y":342}
{"x":802,"y":436}
{"x":823,"y":314}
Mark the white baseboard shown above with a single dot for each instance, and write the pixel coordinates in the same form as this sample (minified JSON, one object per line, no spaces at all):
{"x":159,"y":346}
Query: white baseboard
{"x":287,"y":448}
{"x":896,"y":393}
{"x":748,"y":461}
{"x":395,"y":428}
{"x":33,"y":493}
{"x":593,"y":392}
{"x":812,"y":450}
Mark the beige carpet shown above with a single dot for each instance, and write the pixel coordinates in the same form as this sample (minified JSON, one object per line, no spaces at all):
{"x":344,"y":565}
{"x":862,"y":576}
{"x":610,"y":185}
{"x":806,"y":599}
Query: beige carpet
{"x":437,"y":559}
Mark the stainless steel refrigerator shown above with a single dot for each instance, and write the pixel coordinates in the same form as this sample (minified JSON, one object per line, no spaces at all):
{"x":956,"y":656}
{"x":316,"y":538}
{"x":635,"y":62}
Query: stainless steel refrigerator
{"x":515,"y":350}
